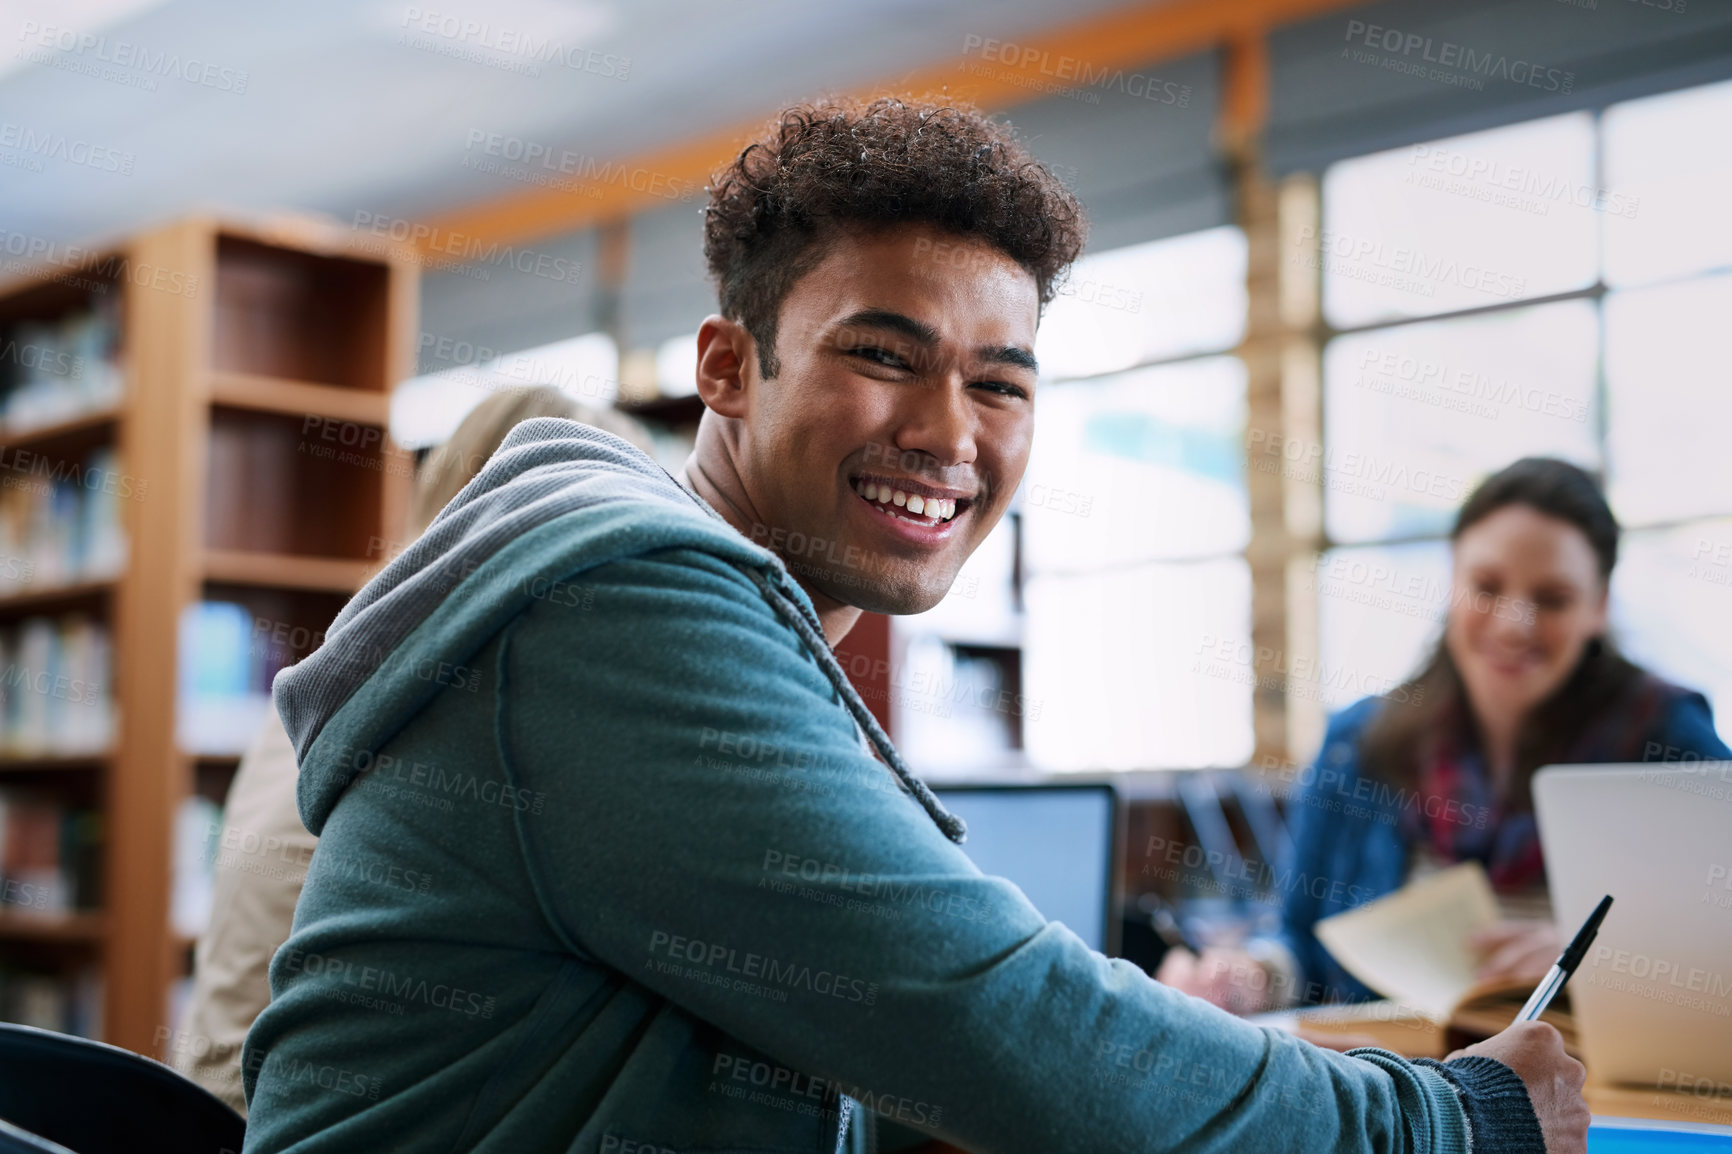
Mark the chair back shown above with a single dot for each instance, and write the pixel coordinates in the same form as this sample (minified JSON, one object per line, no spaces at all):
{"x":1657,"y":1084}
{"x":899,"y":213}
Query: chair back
{"x":70,"y":1095}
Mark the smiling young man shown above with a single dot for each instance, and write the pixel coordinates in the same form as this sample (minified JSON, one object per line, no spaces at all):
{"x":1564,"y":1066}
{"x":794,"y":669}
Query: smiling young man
{"x":676,"y":890}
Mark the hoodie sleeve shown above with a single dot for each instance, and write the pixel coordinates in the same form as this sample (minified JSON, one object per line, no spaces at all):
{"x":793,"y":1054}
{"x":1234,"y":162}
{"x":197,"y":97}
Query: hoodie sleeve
{"x":724,"y":839}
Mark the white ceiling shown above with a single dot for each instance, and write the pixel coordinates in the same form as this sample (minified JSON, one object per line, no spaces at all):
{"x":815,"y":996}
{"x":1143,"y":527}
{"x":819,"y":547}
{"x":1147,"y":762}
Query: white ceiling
{"x":339,"y":115}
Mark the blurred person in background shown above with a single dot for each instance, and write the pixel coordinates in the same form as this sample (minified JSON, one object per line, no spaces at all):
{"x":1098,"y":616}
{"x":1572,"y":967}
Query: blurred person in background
{"x":1437,"y":771}
{"x":259,"y":881}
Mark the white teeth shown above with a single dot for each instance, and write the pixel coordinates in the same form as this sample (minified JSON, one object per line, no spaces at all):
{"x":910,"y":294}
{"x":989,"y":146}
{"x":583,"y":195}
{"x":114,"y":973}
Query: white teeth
{"x":939,"y":509}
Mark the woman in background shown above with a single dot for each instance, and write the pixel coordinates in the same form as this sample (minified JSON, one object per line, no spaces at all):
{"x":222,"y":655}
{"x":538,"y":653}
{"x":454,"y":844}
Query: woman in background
{"x":264,"y":849}
{"x":1439,"y":771}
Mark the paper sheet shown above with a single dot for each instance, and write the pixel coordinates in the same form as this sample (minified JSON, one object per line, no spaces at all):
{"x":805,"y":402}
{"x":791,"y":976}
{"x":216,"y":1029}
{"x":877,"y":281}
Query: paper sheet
{"x":1412,"y":945}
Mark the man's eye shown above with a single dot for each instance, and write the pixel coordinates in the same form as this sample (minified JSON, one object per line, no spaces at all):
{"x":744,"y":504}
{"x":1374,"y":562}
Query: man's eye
{"x":1002,"y":388}
{"x":879,"y":356}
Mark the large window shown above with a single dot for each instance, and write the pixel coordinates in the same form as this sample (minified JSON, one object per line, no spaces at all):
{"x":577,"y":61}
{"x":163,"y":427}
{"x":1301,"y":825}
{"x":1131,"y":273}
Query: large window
{"x":1559,"y":287}
{"x":1131,"y":524}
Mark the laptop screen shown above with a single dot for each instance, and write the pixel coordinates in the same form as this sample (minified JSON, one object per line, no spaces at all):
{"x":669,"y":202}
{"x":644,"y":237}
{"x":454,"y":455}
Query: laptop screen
{"x":1054,"y":842}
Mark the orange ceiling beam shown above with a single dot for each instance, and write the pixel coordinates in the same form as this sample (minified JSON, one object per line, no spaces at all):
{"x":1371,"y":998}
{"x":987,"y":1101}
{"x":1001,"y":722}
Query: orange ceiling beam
{"x":1129,"y":38}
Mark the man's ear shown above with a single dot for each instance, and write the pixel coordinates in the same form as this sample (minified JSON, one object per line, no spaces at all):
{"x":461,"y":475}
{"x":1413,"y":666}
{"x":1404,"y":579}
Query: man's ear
{"x":727,"y":365}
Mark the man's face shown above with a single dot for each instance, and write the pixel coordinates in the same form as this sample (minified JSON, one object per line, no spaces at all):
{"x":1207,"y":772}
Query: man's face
{"x":899,"y":423}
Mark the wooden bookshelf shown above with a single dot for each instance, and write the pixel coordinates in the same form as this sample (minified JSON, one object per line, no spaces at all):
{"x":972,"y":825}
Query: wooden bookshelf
{"x":86,"y":427}
{"x":300,"y":398}
{"x":79,"y":928}
{"x":55,"y":598}
{"x":53,"y":763}
{"x":287,"y":571}
{"x":258,"y":359}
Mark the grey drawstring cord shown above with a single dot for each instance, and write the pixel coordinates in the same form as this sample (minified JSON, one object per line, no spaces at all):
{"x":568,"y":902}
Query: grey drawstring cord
{"x":954,"y":828}
{"x":813,"y":635}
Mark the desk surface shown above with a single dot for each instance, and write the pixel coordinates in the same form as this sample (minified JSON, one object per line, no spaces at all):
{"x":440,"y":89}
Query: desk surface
{"x":1648,"y":1102}
{"x":1603,"y":1100}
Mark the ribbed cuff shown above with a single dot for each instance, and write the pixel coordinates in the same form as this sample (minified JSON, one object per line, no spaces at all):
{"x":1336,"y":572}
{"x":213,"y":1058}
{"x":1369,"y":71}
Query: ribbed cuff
{"x":1430,"y":1104}
{"x":1499,"y":1114}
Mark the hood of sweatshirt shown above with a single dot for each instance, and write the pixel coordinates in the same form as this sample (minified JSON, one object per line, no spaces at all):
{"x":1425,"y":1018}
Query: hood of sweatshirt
{"x":557,"y":499}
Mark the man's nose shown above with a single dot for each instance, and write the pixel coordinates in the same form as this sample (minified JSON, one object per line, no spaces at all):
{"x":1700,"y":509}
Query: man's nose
{"x":939,"y":423}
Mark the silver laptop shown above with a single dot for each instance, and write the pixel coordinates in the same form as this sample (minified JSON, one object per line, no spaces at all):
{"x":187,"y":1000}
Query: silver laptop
{"x":1653,"y":998}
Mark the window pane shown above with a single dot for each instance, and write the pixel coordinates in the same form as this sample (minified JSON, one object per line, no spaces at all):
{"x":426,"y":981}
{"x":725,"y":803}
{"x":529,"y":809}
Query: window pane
{"x":1461,"y":223}
{"x":1672,"y":608}
{"x":1670,"y":158}
{"x":1415,"y":415}
{"x":1132,"y":305}
{"x":1141,"y":466}
{"x":1380,"y":611}
{"x":1670,"y":401}
{"x":1121,"y":672}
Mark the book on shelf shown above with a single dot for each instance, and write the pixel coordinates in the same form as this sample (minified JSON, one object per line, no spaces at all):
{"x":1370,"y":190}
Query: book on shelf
{"x":56,"y":677}
{"x":226,"y":671}
{"x":60,"y":521}
{"x":50,"y":855}
{"x":69,"y":1001}
{"x":58,"y":370}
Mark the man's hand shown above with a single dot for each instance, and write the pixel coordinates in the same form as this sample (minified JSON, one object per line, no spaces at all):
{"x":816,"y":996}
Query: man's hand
{"x":1535,"y":1051}
{"x":1517,"y":950}
{"x":1230,"y":979}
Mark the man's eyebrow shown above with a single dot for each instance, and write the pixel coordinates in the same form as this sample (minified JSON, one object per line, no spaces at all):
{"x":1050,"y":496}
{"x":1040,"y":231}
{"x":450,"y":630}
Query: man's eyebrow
{"x":1009,"y":355}
{"x":925,"y":334}
{"x":888,"y":319}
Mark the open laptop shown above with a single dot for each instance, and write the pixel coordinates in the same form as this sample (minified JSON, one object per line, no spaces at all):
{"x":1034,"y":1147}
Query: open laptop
{"x":1058,"y":843}
{"x":1653,"y":998}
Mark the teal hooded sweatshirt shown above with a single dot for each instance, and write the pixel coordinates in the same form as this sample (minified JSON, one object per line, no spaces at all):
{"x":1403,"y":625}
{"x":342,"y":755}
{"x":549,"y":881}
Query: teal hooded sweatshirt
{"x":611,"y":859}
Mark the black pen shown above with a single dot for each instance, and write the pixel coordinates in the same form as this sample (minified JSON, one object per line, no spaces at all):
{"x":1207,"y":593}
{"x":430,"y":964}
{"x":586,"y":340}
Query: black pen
{"x":1566,"y":964}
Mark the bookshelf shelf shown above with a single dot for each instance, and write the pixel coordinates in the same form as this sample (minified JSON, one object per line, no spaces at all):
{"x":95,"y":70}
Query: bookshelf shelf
{"x":247,"y":383}
{"x":53,"y":763}
{"x":299,"y":398}
{"x":56,"y":598}
{"x":82,"y":927}
{"x":74,"y":432}
{"x":286,"y":571}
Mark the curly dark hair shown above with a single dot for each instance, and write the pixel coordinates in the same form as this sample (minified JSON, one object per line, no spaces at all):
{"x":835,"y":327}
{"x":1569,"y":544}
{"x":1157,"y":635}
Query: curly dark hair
{"x":845,"y":163}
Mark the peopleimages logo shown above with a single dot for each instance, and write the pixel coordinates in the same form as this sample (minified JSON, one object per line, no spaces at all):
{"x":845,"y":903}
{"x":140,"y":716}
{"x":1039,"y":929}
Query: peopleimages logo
{"x":1540,"y":189}
{"x":585,"y":168}
{"x":1076,"y":71}
{"x":374,"y":984}
{"x":720,"y":960}
{"x":54,"y":146}
{"x":1453,"y":59}
{"x":125,"y":54}
{"x":468,"y":249}
{"x":529,"y":50}
{"x":1398,"y":266}
{"x":98,"y":271}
